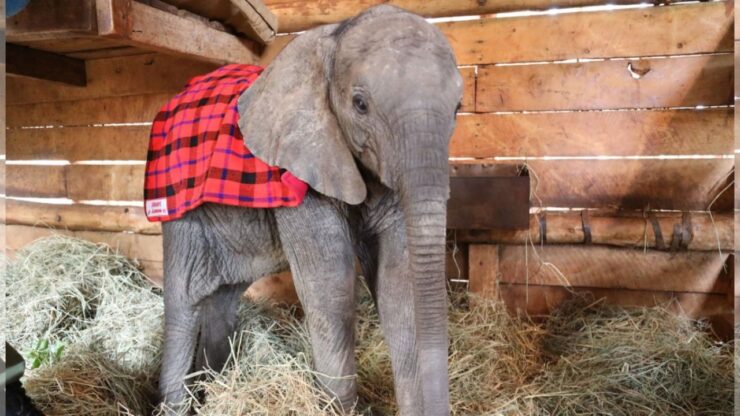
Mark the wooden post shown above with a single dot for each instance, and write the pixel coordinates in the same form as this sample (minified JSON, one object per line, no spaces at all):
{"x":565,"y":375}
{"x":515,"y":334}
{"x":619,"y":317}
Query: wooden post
{"x":483,"y":269}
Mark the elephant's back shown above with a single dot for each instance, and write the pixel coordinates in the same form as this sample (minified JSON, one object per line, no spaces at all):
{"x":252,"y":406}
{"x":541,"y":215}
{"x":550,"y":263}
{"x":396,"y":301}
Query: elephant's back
{"x":197,"y":153}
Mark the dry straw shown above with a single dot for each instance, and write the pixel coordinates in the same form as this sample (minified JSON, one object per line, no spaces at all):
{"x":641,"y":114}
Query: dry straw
{"x":586,"y":359}
{"x":102,"y":310}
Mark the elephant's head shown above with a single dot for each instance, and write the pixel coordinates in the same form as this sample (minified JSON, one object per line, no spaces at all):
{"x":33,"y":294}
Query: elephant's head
{"x":382,"y":90}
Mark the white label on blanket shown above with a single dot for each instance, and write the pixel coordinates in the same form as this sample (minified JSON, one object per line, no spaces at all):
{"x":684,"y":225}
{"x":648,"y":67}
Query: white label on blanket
{"x":156,"y":207}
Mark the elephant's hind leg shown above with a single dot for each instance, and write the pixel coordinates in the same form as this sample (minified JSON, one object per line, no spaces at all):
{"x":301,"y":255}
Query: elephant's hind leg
{"x":316,"y":240}
{"x":182,"y":318}
{"x":218,"y":321}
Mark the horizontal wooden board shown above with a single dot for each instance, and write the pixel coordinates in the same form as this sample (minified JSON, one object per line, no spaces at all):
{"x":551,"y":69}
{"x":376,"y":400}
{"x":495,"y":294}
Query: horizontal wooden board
{"x":248,"y":17}
{"x":78,"y":143}
{"x":684,"y":184}
{"x":77,"y":182}
{"x":114,"y":52}
{"x":78,"y":217}
{"x":129,"y":109}
{"x":615,"y":229}
{"x":594,"y":133}
{"x":146,"y":249}
{"x":35,"y":181}
{"x":106,"y":78}
{"x":610,"y":229}
{"x":64,"y":46}
{"x":541,"y":300}
{"x":118,"y":182}
{"x":297,"y":15}
{"x":646,"y":83}
{"x":658,"y":184}
{"x":154,"y":29}
{"x":106,"y":103}
{"x":614,"y":268}
{"x":675,"y":30}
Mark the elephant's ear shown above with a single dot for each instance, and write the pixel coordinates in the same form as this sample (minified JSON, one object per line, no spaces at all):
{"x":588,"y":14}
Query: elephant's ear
{"x":287,"y":122}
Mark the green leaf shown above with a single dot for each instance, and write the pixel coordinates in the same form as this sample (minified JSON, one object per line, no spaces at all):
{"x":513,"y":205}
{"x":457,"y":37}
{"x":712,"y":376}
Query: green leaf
{"x":43,"y":345}
{"x":56,"y":350}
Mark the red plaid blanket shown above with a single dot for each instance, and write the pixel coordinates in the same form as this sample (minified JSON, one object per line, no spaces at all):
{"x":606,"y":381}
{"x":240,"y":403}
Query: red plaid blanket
{"x":197,"y":154}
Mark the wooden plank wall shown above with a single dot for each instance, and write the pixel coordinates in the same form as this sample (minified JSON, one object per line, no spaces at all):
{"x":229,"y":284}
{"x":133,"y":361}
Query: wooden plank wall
{"x":627,"y":109}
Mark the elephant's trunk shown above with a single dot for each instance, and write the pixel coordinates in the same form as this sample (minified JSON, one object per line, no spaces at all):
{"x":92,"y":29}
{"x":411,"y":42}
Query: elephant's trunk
{"x":424,"y":189}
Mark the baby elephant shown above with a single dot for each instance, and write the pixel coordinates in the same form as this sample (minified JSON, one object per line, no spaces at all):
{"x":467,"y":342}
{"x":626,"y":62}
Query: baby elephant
{"x":344,"y":155}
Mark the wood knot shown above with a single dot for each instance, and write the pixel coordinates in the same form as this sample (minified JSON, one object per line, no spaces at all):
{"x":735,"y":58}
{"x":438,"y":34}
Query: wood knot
{"x":638,"y":72}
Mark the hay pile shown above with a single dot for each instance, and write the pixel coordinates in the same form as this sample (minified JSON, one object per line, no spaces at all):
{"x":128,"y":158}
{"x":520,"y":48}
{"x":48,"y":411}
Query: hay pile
{"x":586,"y":359}
{"x":92,"y":323}
{"x":632,"y":362}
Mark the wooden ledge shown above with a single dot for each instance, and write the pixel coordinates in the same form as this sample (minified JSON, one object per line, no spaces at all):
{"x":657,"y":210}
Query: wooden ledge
{"x":130,"y":23}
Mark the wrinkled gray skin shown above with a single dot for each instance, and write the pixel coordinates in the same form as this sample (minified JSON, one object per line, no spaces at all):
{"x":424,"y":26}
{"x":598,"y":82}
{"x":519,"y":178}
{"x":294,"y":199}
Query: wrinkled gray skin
{"x":363,"y":112}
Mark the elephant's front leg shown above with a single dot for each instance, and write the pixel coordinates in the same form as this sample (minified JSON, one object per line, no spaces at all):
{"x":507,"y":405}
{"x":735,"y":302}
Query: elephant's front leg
{"x":392,"y":290}
{"x":317,"y":244}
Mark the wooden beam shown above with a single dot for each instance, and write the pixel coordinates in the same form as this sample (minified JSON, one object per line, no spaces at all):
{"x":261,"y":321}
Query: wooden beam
{"x":614,"y":268}
{"x":43,"y":65}
{"x":35,"y":181}
{"x":74,"y":46}
{"x":607,"y":228}
{"x":128,"y":109}
{"x":618,"y":184}
{"x":541,"y":300}
{"x":52,"y":19}
{"x":644,"y":83}
{"x":76,"y":182}
{"x":250,"y":17}
{"x":121,"y":90}
{"x":295,"y":16}
{"x":80,"y":217}
{"x":655,"y":31}
{"x":595,"y":133}
{"x":616,"y":229}
{"x":78,"y":143}
{"x":140,"y":25}
{"x":149,"y":73}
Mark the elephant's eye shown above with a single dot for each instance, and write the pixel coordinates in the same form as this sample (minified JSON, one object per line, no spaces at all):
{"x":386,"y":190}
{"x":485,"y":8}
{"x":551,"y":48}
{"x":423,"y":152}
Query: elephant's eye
{"x":359,"y":103}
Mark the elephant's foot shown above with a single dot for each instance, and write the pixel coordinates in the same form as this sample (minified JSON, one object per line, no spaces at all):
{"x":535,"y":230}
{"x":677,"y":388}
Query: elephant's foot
{"x":341,"y":389}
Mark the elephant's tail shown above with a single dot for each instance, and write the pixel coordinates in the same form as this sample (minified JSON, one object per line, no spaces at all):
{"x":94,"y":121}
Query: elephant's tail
{"x":218,"y":320}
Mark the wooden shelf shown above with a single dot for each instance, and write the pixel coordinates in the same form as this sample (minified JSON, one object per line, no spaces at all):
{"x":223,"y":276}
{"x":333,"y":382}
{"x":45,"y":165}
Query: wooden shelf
{"x":91,"y":29}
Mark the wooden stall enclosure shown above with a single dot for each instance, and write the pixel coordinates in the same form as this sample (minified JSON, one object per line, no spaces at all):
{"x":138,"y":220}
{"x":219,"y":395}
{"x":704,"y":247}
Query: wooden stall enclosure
{"x":621,"y":115}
